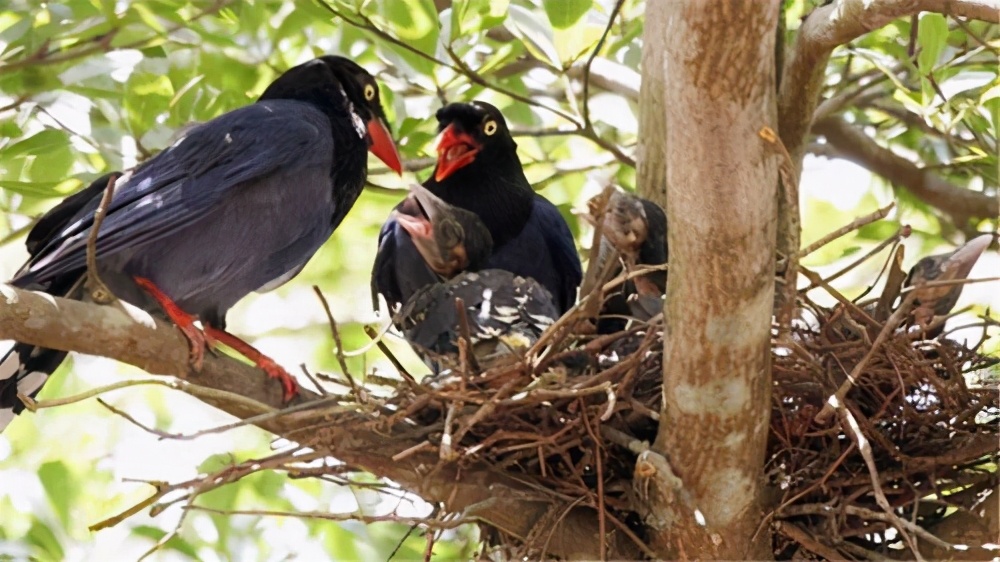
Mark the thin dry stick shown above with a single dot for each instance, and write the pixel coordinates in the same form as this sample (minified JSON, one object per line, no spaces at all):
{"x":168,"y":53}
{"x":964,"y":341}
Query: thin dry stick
{"x":467,"y":358}
{"x":601,"y":523}
{"x":374,"y":335}
{"x":866,"y":453}
{"x":571,"y":315}
{"x":854,"y":225}
{"x":837,"y":400}
{"x":339,"y":351}
{"x":816,"y":280}
{"x":598,"y":206}
{"x":590,"y":61}
{"x":319,"y":388}
{"x":807,"y":541}
{"x":99,"y":292}
{"x":903,"y":232}
{"x":177,"y":384}
{"x":422,"y":522}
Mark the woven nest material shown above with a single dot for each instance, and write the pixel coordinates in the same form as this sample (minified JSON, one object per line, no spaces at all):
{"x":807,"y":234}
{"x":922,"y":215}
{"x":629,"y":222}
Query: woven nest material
{"x":924,"y":410}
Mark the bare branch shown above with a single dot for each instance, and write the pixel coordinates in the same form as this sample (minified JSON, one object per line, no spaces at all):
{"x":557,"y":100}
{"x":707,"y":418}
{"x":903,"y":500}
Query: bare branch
{"x":853,"y":144}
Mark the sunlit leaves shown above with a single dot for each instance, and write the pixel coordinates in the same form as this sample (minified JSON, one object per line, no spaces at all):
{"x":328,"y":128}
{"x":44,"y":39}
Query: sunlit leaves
{"x":932,"y":36}
{"x":60,"y":487}
{"x":565,"y":13}
{"x":475,"y":16}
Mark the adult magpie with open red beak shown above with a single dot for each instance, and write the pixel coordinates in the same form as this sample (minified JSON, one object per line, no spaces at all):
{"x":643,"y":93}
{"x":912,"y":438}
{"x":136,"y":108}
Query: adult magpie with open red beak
{"x":238,"y":204}
{"x":478,"y":170}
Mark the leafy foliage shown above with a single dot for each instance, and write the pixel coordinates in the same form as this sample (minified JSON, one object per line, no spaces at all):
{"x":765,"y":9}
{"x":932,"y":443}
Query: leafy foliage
{"x":89,"y":86}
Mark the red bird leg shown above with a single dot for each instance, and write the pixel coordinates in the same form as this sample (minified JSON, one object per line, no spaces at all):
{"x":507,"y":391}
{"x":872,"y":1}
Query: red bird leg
{"x":184,"y":321}
{"x":273,"y":370}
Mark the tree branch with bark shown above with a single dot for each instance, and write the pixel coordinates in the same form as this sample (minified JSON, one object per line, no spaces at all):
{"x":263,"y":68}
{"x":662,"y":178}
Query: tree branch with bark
{"x":836,"y":24}
{"x":851,"y":142}
{"x":479,"y":493}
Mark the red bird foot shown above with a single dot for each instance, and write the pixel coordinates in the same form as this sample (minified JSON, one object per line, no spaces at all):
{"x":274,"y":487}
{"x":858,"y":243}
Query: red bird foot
{"x":289,"y":386}
{"x":211,"y":337}
{"x":198,"y":339}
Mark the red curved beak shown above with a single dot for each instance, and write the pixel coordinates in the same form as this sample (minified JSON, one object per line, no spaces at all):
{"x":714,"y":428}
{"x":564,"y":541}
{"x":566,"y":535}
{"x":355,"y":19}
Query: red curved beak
{"x":455,"y":150}
{"x":382,"y":145}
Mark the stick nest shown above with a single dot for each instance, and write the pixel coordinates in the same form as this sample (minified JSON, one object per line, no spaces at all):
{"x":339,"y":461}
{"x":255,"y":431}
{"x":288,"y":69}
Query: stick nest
{"x":915,"y":438}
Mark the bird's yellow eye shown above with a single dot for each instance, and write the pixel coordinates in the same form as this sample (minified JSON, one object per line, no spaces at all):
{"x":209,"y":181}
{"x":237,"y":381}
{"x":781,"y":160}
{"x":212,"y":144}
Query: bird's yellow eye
{"x":490,"y":127}
{"x":369,"y":92}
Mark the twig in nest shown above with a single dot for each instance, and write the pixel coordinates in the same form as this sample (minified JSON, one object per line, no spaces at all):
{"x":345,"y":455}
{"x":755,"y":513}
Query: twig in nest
{"x":864,"y":447}
{"x":893,"y":284}
{"x":319,"y":388}
{"x":447,"y":452}
{"x":597,"y":207}
{"x":565,"y":322}
{"x":857,"y":223}
{"x":412,"y":450}
{"x":818,"y":281}
{"x":837,"y":400}
{"x":805,"y":540}
{"x":601,"y":515}
{"x":354,"y":516}
{"x":339,"y":351}
{"x":374,"y":335}
{"x":903,"y":232}
{"x":99,"y":292}
{"x":466,"y":357}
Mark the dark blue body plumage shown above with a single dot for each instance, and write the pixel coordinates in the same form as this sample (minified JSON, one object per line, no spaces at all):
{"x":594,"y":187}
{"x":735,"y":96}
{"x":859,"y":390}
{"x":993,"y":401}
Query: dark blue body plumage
{"x":238,"y":204}
{"x":478,"y":170}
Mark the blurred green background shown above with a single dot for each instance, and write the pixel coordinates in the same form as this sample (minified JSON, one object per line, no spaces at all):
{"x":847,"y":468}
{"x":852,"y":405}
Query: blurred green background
{"x":89,"y":86}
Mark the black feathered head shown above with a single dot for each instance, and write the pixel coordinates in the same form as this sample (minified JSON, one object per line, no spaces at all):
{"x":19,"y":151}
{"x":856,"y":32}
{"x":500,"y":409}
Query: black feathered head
{"x":335,"y":84}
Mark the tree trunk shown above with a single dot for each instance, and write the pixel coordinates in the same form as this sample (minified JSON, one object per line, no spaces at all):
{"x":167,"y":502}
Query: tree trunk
{"x":652,"y":148}
{"x":711,"y":94}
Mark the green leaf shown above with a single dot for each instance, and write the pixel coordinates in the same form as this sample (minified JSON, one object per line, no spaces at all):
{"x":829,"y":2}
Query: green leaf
{"x":414,"y":22}
{"x":538,"y":37}
{"x":48,"y":546}
{"x":60,"y":487}
{"x":878,"y":230}
{"x":565,"y":13}
{"x":932,"y":37}
{"x":148,"y":17}
{"x":38,"y":143}
{"x":41,"y":190}
{"x":152,"y":85}
{"x":175,"y":543}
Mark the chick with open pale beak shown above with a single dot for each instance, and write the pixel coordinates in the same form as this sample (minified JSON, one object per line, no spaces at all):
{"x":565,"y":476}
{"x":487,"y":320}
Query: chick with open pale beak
{"x":939,"y":300}
{"x":450,"y":239}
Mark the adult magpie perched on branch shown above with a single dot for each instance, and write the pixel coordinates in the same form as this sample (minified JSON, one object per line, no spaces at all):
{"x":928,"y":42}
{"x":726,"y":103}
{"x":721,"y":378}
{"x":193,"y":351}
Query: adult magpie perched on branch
{"x":238,"y":204}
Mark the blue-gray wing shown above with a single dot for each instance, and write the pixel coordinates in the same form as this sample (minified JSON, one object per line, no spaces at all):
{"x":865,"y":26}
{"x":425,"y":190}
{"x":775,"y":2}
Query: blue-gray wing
{"x":186,"y":181}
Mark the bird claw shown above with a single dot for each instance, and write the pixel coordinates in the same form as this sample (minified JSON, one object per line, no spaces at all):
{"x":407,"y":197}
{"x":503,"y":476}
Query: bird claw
{"x":197,"y":338}
{"x":197,"y":341}
{"x":289,"y":387}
